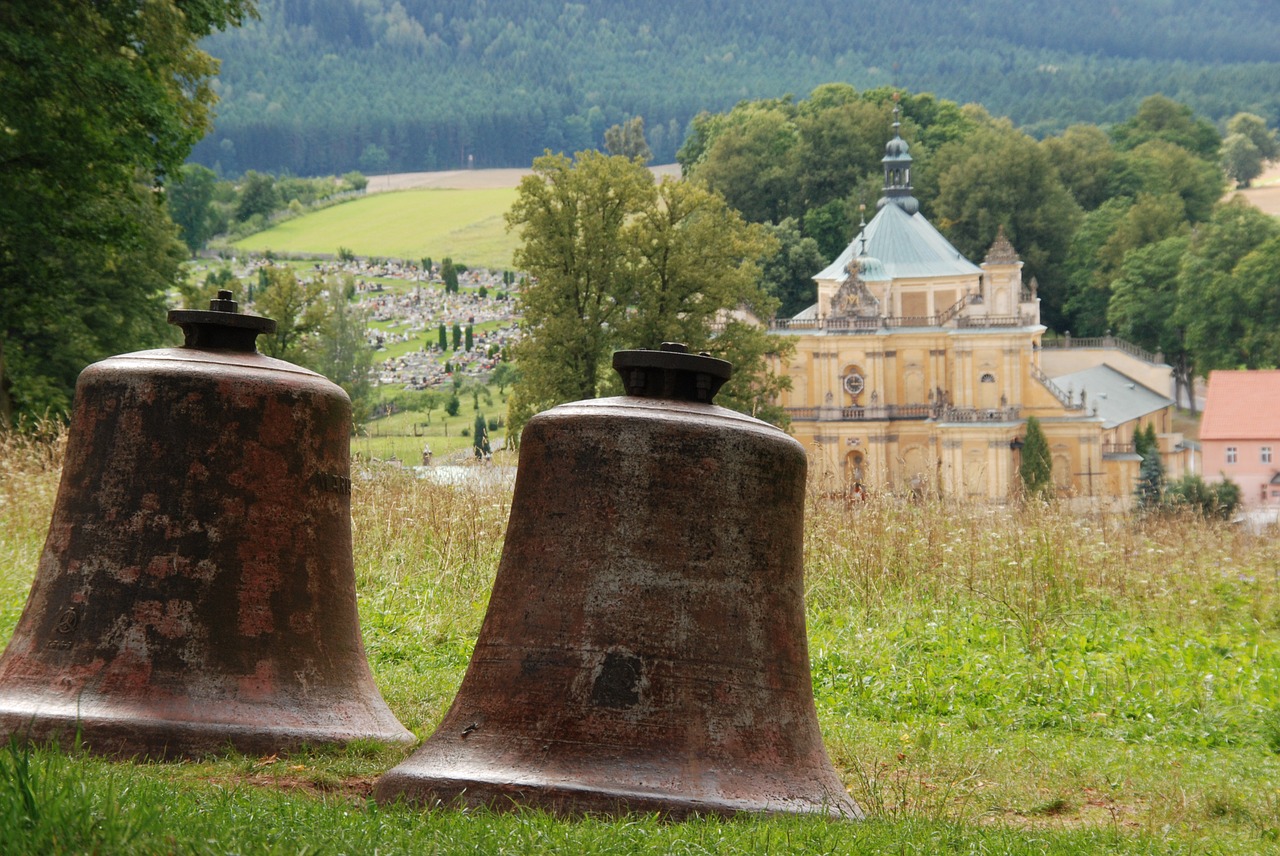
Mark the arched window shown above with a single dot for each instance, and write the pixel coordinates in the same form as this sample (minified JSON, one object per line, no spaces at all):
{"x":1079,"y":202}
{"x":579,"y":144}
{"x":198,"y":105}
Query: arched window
{"x":988,"y":377}
{"x":855,"y":467}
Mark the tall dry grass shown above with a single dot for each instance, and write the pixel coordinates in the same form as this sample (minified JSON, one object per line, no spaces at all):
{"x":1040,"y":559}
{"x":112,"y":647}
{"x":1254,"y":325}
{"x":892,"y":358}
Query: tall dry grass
{"x":1023,"y":666}
{"x":30,"y":465}
{"x":1036,"y":562}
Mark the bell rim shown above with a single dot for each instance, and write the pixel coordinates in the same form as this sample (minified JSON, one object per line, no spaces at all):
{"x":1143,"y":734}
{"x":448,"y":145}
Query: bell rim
{"x":166,"y":738}
{"x":517,"y":788}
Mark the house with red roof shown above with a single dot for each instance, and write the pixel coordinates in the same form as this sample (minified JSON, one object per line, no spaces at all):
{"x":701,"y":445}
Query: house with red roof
{"x":1240,"y":433}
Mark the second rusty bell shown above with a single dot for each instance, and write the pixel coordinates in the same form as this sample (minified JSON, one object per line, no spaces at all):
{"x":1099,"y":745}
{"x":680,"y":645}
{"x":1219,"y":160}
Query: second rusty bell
{"x":196,"y":590}
{"x":644,"y":648}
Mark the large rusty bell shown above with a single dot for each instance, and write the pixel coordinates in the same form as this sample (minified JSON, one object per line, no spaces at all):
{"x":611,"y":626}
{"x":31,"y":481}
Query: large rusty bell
{"x":644,"y":648}
{"x":196,"y":590}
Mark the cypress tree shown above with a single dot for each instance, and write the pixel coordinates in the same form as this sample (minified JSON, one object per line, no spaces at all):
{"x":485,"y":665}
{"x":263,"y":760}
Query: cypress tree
{"x":1037,"y":463}
{"x":449,"y":274}
{"x":480,"y":436}
{"x":1150,"y":488}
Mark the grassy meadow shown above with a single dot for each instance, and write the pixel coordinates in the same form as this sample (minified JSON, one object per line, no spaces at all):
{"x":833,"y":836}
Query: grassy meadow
{"x":466,"y":225}
{"x":403,"y":435}
{"x":988,"y":680}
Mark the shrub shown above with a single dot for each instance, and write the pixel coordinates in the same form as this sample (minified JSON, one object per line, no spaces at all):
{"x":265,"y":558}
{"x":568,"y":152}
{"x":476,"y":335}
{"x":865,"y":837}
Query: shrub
{"x":1220,"y":499}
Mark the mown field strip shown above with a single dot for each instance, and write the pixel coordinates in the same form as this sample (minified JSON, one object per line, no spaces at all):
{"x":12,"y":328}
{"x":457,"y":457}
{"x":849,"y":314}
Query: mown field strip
{"x":466,"y":225}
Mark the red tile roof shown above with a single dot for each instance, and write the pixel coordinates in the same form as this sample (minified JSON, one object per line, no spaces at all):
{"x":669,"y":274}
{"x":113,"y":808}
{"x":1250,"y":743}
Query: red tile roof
{"x":1242,"y":405}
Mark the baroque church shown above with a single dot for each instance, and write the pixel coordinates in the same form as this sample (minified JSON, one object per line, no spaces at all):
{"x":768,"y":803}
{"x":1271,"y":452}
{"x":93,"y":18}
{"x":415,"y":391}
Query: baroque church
{"x":917,"y":369}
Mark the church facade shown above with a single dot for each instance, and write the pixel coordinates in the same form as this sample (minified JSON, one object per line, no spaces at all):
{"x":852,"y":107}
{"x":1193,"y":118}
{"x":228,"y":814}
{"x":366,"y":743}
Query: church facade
{"x":916,"y":371}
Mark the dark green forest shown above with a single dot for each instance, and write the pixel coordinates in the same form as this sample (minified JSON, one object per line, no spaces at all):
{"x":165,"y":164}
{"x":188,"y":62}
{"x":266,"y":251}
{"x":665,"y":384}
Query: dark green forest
{"x":321,"y":87}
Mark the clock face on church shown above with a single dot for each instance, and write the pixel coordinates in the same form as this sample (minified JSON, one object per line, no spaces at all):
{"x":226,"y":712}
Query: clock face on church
{"x":854,"y":384}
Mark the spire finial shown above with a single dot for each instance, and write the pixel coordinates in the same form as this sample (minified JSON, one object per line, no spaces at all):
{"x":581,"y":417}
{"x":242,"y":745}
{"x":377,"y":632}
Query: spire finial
{"x":897,"y":168}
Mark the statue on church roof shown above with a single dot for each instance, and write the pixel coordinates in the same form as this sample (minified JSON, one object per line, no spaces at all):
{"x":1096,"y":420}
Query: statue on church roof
{"x":853,"y":298}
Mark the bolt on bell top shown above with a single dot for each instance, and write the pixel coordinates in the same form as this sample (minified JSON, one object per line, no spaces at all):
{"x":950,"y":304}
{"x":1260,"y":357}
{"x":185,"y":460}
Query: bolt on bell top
{"x":196,"y":588}
{"x":644,"y":648}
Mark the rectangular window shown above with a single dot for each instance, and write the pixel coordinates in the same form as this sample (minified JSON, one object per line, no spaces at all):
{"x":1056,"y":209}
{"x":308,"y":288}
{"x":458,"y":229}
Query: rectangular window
{"x":1231,"y":454}
{"x":1266,"y":454}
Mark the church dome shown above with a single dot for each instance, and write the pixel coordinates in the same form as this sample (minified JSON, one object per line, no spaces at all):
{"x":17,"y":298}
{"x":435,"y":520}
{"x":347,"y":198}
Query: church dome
{"x":896,"y":149}
{"x":869,"y":269}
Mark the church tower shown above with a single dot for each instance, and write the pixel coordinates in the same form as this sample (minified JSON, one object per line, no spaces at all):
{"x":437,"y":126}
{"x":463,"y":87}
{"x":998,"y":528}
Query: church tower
{"x":897,"y":171}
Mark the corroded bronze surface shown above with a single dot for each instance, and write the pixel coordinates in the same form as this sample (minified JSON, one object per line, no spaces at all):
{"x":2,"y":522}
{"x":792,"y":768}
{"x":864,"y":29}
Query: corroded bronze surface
{"x":644,"y":648}
{"x":196,"y":589}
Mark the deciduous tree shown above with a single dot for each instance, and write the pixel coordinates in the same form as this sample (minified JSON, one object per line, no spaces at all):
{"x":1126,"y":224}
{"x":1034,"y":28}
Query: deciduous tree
{"x":374,"y":159}
{"x":695,"y":258}
{"x":1161,"y":118}
{"x":1085,"y":160}
{"x":627,"y":139}
{"x":297,"y":309}
{"x":1159,"y":167}
{"x":1193,"y":493}
{"x":1254,"y":127}
{"x":1144,"y":295}
{"x":1000,"y":176}
{"x":340,"y":349}
{"x":258,"y":196}
{"x":1214,"y":302}
{"x":98,"y":103}
{"x":1241,"y":160}
{"x":788,"y":273}
{"x":1254,"y":287}
{"x":617,"y":262}
{"x":1100,"y":246}
{"x":749,"y":159}
{"x":571,"y":217}
{"x":191,"y":204}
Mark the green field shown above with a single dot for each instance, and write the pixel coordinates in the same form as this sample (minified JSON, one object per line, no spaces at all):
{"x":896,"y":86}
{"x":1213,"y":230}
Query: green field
{"x":403,"y":435}
{"x":988,"y":681}
{"x":466,"y":225}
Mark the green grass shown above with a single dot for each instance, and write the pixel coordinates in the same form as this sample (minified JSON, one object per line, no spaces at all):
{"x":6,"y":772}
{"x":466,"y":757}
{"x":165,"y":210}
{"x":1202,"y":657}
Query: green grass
{"x":987,"y":680}
{"x":466,"y":225}
{"x":403,"y":434}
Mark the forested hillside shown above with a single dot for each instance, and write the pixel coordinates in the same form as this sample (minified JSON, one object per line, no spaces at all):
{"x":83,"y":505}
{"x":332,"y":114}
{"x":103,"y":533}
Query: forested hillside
{"x":325,"y":86}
